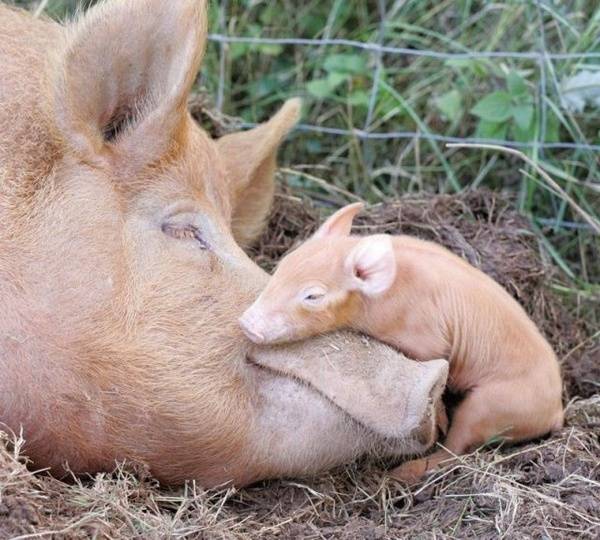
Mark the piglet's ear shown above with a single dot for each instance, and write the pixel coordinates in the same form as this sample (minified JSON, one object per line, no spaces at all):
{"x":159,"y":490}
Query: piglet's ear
{"x":372,"y":265}
{"x":340,"y":223}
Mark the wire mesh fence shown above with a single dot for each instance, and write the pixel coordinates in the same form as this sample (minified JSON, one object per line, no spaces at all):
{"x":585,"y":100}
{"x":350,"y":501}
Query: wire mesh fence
{"x":542,"y":57}
{"x":542,"y":63}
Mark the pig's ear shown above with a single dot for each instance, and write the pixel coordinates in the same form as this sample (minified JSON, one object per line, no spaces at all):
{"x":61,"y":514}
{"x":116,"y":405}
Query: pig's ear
{"x":250,"y":162}
{"x":371,"y":265}
{"x":339,"y":223}
{"x":124,"y":77}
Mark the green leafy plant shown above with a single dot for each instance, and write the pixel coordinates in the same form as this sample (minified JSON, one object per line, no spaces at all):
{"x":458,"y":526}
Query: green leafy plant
{"x":342,"y":69}
{"x":511,"y":113}
{"x":450,"y":105}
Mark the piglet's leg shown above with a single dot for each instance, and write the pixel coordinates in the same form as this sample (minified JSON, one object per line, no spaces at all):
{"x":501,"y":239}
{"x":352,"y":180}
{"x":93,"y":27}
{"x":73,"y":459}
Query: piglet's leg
{"x":457,"y":442}
{"x":514,"y":410}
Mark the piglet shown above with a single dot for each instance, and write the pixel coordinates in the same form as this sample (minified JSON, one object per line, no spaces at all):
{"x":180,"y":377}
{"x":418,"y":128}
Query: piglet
{"x":429,"y":303}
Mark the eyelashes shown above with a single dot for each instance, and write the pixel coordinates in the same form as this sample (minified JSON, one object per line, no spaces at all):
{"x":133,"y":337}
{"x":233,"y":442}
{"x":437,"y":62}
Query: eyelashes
{"x":185,"y":232}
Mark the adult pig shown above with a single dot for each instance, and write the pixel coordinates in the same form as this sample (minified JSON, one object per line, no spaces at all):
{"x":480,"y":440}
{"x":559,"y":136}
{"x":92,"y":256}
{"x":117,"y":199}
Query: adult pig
{"x":122,"y":276}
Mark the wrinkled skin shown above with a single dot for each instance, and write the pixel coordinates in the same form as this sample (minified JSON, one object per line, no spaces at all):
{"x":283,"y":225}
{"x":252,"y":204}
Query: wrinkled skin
{"x":121,"y":272}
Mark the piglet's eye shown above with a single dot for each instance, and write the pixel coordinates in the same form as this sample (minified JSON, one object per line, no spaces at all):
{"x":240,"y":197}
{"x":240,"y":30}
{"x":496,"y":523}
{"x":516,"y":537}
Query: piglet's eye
{"x":313,"y":296}
{"x":185,"y":232}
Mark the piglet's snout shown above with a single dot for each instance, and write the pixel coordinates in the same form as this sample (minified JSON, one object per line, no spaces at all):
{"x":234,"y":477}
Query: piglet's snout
{"x":250,"y":322}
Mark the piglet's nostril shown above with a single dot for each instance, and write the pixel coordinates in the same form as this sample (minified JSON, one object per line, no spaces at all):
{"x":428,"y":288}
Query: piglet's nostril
{"x":249,"y":329}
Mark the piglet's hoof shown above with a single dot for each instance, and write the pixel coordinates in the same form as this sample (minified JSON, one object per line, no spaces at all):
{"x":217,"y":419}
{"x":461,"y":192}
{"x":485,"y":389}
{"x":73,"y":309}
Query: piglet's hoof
{"x":410,"y":472}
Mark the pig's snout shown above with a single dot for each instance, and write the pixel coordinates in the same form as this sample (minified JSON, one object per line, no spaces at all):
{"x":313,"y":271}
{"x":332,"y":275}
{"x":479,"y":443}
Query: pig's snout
{"x":433,"y":416}
{"x":251,"y":326}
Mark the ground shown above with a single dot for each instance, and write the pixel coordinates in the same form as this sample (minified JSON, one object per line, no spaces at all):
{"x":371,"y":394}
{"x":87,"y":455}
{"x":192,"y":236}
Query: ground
{"x":547,"y":488}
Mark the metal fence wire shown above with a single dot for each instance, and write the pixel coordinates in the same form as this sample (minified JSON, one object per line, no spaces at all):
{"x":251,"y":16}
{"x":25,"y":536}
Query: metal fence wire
{"x":544,"y":60}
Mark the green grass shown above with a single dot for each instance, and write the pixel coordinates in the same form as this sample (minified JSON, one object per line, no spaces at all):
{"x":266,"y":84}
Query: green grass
{"x":498,"y":98}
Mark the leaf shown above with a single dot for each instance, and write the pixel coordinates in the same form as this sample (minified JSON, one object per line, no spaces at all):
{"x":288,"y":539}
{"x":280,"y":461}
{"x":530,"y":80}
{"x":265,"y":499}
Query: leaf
{"x":491,"y":130}
{"x":310,"y":24}
{"x":271,"y":50}
{"x":359,"y":98}
{"x":319,"y":88}
{"x":581,"y":90}
{"x":495,"y":107}
{"x":236,"y":50}
{"x":552,"y":128}
{"x":531,"y":132}
{"x":516,"y":85}
{"x":265,"y":86}
{"x":269,"y":14}
{"x":324,"y":88}
{"x":313,"y":146}
{"x":450,"y":104}
{"x":527,"y":134}
{"x":523,"y":115}
{"x":460,"y":62}
{"x":335,"y":79}
{"x":345,"y":63}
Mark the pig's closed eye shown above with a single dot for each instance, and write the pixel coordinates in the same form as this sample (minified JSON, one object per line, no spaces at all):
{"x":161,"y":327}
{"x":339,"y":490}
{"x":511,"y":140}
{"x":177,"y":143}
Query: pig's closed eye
{"x":185,"y":232}
{"x":313,"y":296}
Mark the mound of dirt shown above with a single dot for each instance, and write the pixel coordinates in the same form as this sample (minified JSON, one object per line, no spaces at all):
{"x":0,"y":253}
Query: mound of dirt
{"x":581,"y":371}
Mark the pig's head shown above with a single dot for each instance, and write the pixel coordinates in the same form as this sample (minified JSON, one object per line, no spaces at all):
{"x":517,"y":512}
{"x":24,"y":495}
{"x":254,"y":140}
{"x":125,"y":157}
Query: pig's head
{"x":321,"y":285}
{"x":130,"y":245}
{"x":121,"y":272}
{"x":120,"y":95}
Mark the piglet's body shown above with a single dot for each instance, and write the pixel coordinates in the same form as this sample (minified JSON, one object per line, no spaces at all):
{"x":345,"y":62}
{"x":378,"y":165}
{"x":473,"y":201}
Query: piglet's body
{"x":429,"y":303}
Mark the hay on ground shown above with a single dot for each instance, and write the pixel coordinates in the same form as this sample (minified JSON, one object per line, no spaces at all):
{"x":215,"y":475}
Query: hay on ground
{"x":545,"y":489}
